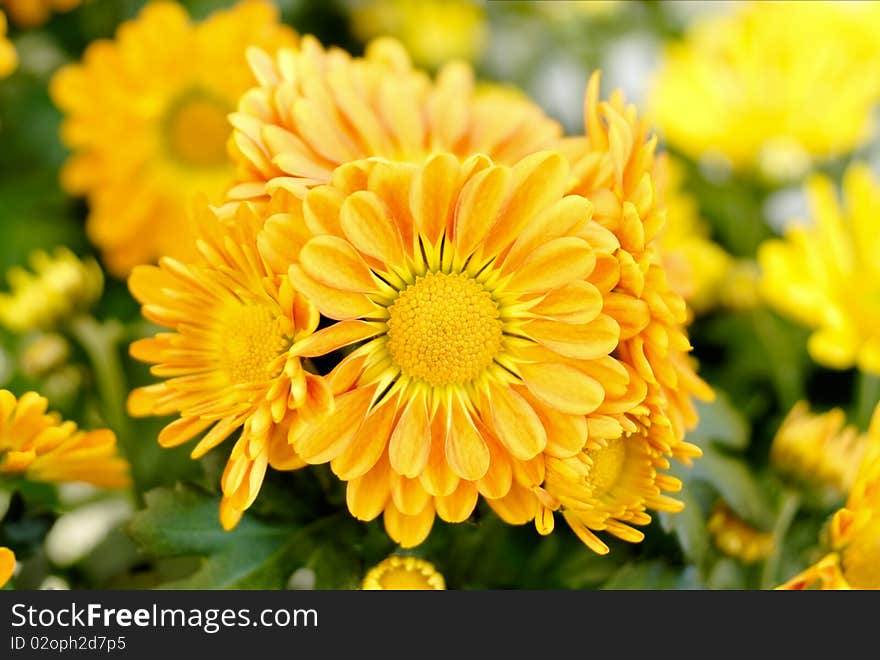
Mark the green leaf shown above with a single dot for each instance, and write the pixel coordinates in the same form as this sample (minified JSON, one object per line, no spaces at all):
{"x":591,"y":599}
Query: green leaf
{"x":689,"y":527}
{"x":181,"y":521}
{"x":735,"y":481}
{"x":646,"y":574}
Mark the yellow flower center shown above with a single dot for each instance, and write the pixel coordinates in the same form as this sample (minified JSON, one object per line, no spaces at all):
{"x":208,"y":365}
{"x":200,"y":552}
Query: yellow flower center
{"x":444,"y":329}
{"x":252,"y":339}
{"x":861,"y":558}
{"x":607,"y":466}
{"x":197,"y":130}
{"x":404,"y":573}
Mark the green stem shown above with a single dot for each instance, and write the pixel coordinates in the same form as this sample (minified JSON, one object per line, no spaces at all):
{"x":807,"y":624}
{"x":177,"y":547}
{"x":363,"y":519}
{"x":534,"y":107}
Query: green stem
{"x":100,"y":341}
{"x":867,"y":397}
{"x":788,"y":508}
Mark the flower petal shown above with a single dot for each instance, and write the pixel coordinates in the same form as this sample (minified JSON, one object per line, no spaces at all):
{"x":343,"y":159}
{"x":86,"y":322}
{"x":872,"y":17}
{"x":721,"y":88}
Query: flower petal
{"x":410,"y":443}
{"x":516,"y":423}
{"x":563,"y":387}
{"x":554,"y":264}
{"x":584,"y":342}
{"x":367,"y":224}
{"x":333,"y":262}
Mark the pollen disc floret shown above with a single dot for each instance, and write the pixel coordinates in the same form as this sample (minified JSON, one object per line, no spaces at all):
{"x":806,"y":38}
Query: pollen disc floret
{"x":228,"y":360}
{"x":479,"y":343}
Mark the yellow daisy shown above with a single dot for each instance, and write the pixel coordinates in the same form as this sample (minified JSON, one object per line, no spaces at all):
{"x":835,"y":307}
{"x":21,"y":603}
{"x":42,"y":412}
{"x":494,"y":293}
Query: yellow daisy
{"x":818,"y":449}
{"x":32,"y":13}
{"x":146,"y":118}
{"x":403,"y":573}
{"x":7,"y":565}
{"x":854,"y":532}
{"x":227,"y":359}
{"x":60,"y":286}
{"x":41,"y":447}
{"x":482,"y":345}
{"x":432,"y":31}
{"x":8,"y":56}
{"x":744,"y":85}
{"x":826,"y":275}
{"x":696,"y":266}
{"x":736,"y":538}
{"x":315,"y":109}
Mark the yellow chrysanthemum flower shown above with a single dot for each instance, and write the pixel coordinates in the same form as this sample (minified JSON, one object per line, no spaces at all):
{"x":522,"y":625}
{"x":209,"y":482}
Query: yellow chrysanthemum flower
{"x":60,"y":286}
{"x":8,"y":56}
{"x":736,"y":538}
{"x":432,"y":31}
{"x":147,"y":121}
{"x":403,"y":573}
{"x":696,"y":266}
{"x":7,"y":565}
{"x":818,"y":449}
{"x":827,"y":275}
{"x":614,"y":166}
{"x":316,"y":109}
{"x":32,"y":13}
{"x":41,"y":447}
{"x":475,"y":292}
{"x":227,"y":361}
{"x":737,"y":86}
{"x":854,"y":532}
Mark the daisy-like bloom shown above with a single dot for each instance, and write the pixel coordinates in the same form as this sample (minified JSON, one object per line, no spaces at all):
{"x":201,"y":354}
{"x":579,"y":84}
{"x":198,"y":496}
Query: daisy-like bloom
{"x":227,"y":359}
{"x":432,"y":31}
{"x":60,"y":286}
{"x":696,"y":266}
{"x":826,"y":275}
{"x":474,"y":291}
{"x":736,"y":86}
{"x":33,"y":13}
{"x":736,"y":538}
{"x":854,"y":532}
{"x":41,"y":447}
{"x":7,"y":565}
{"x":146,"y":118}
{"x":818,"y":449}
{"x":315,"y":109}
{"x":610,"y":484}
{"x":403,"y":574}
{"x":8,"y":56}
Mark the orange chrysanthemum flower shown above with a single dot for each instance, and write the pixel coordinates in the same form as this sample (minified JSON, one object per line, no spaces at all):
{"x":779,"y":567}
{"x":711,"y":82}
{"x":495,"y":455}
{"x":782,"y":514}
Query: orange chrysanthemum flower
{"x":403,"y":574}
{"x":40,"y":446}
{"x":7,"y":565}
{"x":316,"y":109}
{"x":474,"y":291}
{"x":854,"y":562}
{"x":147,"y":121}
{"x":227,"y":360}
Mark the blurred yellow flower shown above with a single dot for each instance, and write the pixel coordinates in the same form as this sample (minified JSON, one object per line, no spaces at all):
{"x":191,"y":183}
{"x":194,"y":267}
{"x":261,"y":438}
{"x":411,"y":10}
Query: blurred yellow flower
{"x":227,"y":361}
{"x":817,"y":449}
{"x":146,"y":118}
{"x":743,"y":85}
{"x":7,"y":565}
{"x":316,"y":109}
{"x":432,"y":31}
{"x":42,"y":447}
{"x":854,"y":562}
{"x":696,"y":266}
{"x":740,"y":289}
{"x":826,"y":275}
{"x":61,"y":286}
{"x":736,"y":538}
{"x":483,"y":346}
{"x":32,"y":13}
{"x":403,"y":573}
{"x":8,"y":56}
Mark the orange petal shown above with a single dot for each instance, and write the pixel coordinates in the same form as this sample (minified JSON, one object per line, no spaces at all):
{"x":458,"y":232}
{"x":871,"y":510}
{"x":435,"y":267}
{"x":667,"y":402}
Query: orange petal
{"x":334,"y":337}
{"x":432,"y":194}
{"x":325,"y":440}
{"x":367,"y":224}
{"x":367,"y":496}
{"x":368,"y":444}
{"x":466,"y":450}
{"x":563,"y":387}
{"x":410,"y":443}
{"x":583,"y":342}
{"x":339,"y":305}
{"x":518,"y":507}
{"x":516,"y":423}
{"x":575,"y":302}
{"x":458,"y":506}
{"x":554,"y":264}
{"x":333,"y":262}
{"x":479,"y":203}
{"x":409,"y":531}
{"x":408,"y":495}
